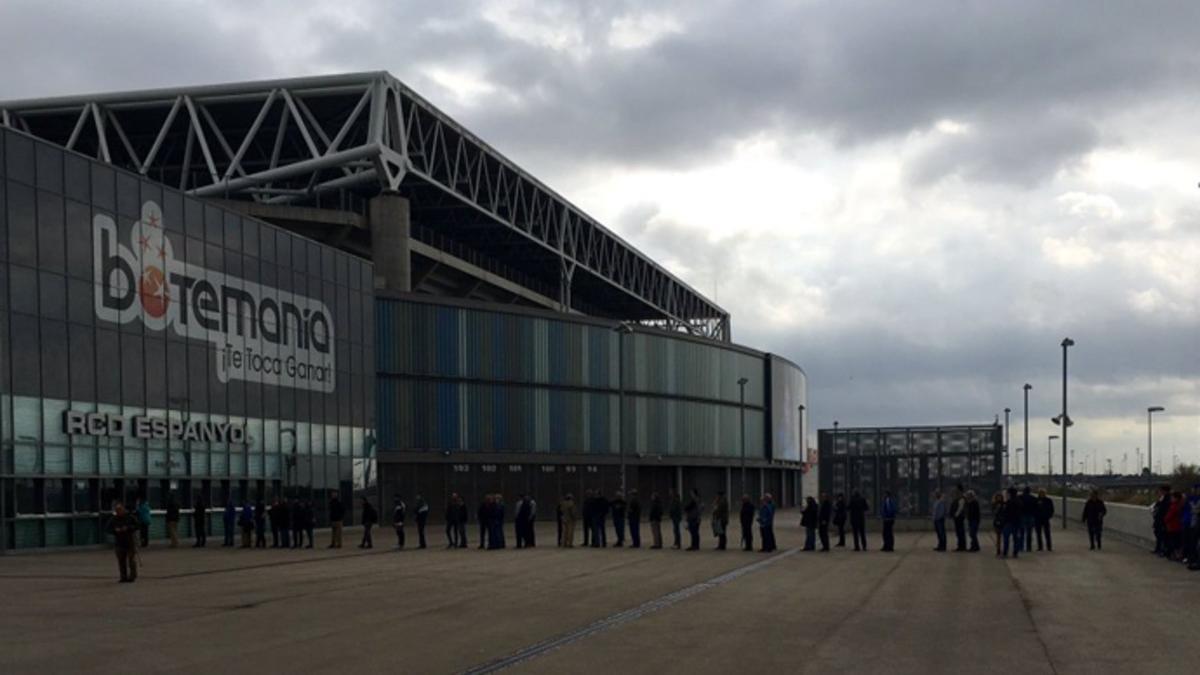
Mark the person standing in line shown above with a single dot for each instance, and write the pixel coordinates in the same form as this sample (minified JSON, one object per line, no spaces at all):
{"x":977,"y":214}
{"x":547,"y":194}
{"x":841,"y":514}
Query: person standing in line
{"x":939,"y":520}
{"x":298,"y":524}
{"x":808,"y":520}
{"x":531,"y":524}
{"x":422,"y":518}
{"x":246,"y":522}
{"x":1013,"y":528}
{"x":839,"y":518}
{"x":973,"y":518}
{"x":310,"y":521}
{"x":746,"y":517}
{"x":1194,"y":530}
{"x":691,"y":511}
{"x":484,"y":514}
{"x":143,"y":521}
{"x":498,"y":522}
{"x":675,"y":511}
{"x":567,"y":508}
{"x":399,"y":511}
{"x":273,"y":519}
{"x":1045,"y":514}
{"x":1158,"y":513}
{"x":720,"y":519}
{"x":199,"y":522}
{"x":1093,"y":514}
{"x":766,"y":523}
{"x":858,"y":520}
{"x":1029,"y":509}
{"x":887,"y":513}
{"x":173,"y":520}
{"x":587,"y":513}
{"x":958,"y":513}
{"x":260,"y":524}
{"x":461,"y":520}
{"x":1174,"y":523}
{"x":601,"y":523}
{"x":124,"y":527}
{"x":452,"y":521}
{"x":618,"y":517}
{"x":826,"y":515}
{"x":634,"y":511}
{"x":285,"y":523}
{"x":337,"y":518}
{"x":369,"y":518}
{"x":521,"y":521}
{"x":656,"y":516}
{"x":998,"y":519}
{"x":229,"y":520}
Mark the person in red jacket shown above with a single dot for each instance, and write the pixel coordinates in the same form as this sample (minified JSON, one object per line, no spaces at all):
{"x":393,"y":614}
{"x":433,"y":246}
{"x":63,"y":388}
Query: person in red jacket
{"x":1174,"y":524}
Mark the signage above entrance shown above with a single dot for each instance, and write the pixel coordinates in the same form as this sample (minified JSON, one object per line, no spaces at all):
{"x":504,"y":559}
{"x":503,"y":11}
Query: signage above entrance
{"x":110,"y":425}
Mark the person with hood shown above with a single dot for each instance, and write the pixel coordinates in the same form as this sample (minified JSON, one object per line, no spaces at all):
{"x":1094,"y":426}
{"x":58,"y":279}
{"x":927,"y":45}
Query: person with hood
{"x":246,"y":523}
{"x":1042,"y":518}
{"x":826,"y":515}
{"x":229,"y":521}
{"x":337,"y":520}
{"x":369,"y":518}
{"x":1158,"y":513}
{"x":746,"y":516}
{"x":720,"y":519}
{"x":199,"y":522}
{"x":1029,"y":509}
{"x":422,"y":518}
{"x":675,"y":511}
{"x":399,"y":511}
{"x":617,"y":506}
{"x":939,"y":520}
{"x":634,"y":513}
{"x":656,"y":516}
{"x":887,"y":514}
{"x":1093,"y":514}
{"x":567,"y":508}
{"x":173,"y":520}
{"x":144,"y":519}
{"x":1013,"y":524}
{"x":808,"y":520}
{"x":839,"y":518}
{"x":260,"y":524}
{"x":124,"y":526}
{"x":958,"y":513}
{"x":766,"y":523}
{"x":858,"y":520}
{"x":973,"y":518}
{"x":452,"y":521}
{"x":691,"y":511}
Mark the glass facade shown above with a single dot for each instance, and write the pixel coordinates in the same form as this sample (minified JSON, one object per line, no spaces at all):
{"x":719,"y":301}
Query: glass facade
{"x":231,"y":322}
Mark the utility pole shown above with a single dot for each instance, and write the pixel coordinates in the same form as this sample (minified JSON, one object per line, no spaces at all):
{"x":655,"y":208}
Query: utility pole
{"x":1027,"y":387}
{"x":1066,"y":424}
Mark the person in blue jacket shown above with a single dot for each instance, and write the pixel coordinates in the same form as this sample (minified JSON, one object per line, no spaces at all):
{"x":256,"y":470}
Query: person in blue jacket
{"x":230,"y":517}
{"x":766,"y":523}
{"x":887,"y":513}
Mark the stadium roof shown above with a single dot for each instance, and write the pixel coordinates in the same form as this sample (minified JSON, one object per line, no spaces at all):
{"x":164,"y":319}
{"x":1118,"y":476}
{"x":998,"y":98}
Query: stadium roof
{"x":335,"y":141}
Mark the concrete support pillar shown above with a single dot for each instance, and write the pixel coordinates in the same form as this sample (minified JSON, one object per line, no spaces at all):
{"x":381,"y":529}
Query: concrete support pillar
{"x":729,"y":483}
{"x":390,"y":251}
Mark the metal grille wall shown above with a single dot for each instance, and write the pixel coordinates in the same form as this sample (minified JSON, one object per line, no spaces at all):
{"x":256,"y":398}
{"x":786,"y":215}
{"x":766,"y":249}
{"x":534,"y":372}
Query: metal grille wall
{"x":911,"y":463}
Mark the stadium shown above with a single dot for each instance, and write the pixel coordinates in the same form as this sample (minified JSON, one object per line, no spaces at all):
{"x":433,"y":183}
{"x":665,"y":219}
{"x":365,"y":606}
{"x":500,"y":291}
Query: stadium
{"x":327,"y":285}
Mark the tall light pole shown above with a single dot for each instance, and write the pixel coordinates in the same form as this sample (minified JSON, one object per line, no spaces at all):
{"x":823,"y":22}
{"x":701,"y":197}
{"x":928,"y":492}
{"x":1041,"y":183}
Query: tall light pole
{"x":1066,"y":424}
{"x":1007,"y":462}
{"x":1027,"y":387}
{"x":1150,"y":434}
{"x":1049,"y":463}
{"x":742,"y":412}
{"x":622,"y":330}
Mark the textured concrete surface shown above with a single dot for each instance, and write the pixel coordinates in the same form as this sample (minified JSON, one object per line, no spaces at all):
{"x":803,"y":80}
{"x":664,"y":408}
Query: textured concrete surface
{"x":613,"y":610}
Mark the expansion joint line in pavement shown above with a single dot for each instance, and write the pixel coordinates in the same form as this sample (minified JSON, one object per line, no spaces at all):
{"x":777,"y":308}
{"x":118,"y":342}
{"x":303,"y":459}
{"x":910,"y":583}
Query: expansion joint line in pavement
{"x":620,"y":618}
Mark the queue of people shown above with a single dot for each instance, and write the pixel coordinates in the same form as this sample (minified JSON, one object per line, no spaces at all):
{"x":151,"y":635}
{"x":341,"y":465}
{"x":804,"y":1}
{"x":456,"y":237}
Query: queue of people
{"x":1176,"y":525}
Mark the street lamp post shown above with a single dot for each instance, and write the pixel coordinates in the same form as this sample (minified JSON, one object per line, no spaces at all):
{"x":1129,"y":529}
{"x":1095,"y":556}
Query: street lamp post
{"x":1007,"y":462}
{"x":1066,"y":424}
{"x":622,"y":330}
{"x":1027,"y":387}
{"x":1150,"y":434}
{"x":742,"y":424}
{"x":1049,"y":463}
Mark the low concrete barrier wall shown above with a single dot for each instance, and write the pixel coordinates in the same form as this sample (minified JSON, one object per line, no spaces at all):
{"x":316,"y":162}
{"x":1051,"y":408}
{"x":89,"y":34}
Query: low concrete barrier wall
{"x":1124,"y":521}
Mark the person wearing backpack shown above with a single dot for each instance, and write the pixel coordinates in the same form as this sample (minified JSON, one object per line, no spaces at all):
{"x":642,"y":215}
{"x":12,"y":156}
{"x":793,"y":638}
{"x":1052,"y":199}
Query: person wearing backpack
{"x":399,"y":510}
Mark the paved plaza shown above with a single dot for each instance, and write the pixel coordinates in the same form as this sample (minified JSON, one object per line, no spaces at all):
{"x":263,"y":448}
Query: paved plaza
{"x":615,"y":610}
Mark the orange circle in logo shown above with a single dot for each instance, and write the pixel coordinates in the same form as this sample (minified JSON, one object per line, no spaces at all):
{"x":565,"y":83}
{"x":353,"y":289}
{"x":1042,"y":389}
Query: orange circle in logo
{"x":153,"y":290}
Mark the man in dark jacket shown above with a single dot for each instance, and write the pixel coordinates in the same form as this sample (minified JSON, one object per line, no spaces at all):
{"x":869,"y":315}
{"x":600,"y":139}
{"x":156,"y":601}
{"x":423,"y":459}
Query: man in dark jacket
{"x":617,"y":506}
{"x":766,"y":523}
{"x":124,"y":528}
{"x":1029,"y":509}
{"x":452,"y":521}
{"x":200,"y":522}
{"x":521,"y":521}
{"x":958,"y":513}
{"x":887,"y":514}
{"x":675,"y":511}
{"x":461,"y":520}
{"x":1093,"y":514}
{"x":484,"y":514}
{"x":1159,"y":514}
{"x":337,"y":520}
{"x":839,"y":518}
{"x":823,"y":525}
{"x":1013,"y":528}
{"x":1045,"y":513}
{"x":656,"y":516}
{"x":229,"y":521}
{"x":369,"y":518}
{"x":720,"y":519}
{"x":422,"y":518}
{"x":399,"y":513}
{"x":273,"y":520}
{"x":746,"y":516}
{"x":858,"y":520}
{"x":260,"y":524}
{"x":691,"y":511}
{"x":600,"y":522}
{"x":173,"y":520}
{"x":809,"y":519}
{"x":973,"y":518}
{"x":634,"y":511}
{"x":298,"y":524}
{"x":586,"y":511}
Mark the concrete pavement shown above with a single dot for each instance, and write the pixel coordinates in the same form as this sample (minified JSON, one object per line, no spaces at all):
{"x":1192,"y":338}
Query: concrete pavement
{"x":611,"y":610}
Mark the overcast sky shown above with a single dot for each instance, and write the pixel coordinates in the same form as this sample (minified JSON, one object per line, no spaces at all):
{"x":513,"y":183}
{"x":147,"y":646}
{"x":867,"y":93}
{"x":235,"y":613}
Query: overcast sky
{"x":914,"y":201}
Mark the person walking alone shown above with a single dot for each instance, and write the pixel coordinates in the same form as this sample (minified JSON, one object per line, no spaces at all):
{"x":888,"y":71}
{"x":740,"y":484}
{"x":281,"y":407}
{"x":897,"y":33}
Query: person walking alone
{"x":1093,"y":514}
{"x":634,"y":512}
{"x":839,"y":518}
{"x":124,"y":527}
{"x":939,"y":520}
{"x":858,"y":520}
{"x":675,"y":510}
{"x":422,"y":518}
{"x":746,"y":516}
{"x":656,"y":516}
{"x":1045,"y":514}
{"x":720,"y":519}
{"x":369,"y":518}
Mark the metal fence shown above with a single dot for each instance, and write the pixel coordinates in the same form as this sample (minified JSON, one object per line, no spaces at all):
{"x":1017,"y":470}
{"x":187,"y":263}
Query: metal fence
{"x":911,"y":463}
